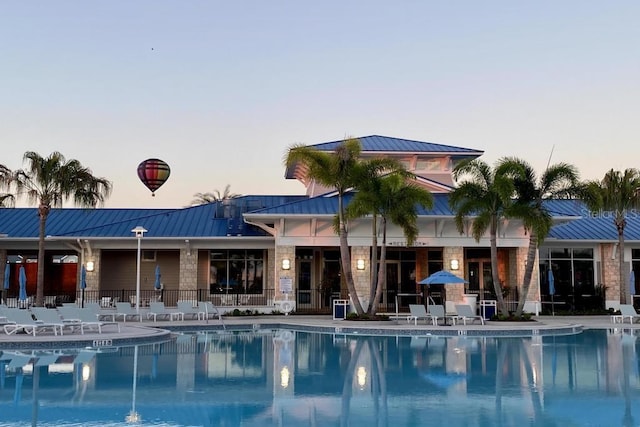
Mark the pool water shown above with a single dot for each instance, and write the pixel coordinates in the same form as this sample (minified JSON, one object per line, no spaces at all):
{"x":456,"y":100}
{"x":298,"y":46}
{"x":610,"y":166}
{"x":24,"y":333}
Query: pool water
{"x":287,"y":378}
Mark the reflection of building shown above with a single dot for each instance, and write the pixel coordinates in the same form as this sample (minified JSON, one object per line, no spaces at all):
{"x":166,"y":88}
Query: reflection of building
{"x":238,"y":378}
{"x":244,"y":245}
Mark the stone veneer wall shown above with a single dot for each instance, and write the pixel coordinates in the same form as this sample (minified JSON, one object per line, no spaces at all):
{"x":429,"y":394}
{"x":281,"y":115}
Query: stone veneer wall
{"x":93,"y":277}
{"x":361,"y":278}
{"x":521,"y":262}
{"x":610,"y":271}
{"x":284,"y":252}
{"x":188,"y":269}
{"x":454,"y":292}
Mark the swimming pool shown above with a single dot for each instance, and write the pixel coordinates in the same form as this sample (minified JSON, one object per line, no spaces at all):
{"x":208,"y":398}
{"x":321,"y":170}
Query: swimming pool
{"x":287,"y":378}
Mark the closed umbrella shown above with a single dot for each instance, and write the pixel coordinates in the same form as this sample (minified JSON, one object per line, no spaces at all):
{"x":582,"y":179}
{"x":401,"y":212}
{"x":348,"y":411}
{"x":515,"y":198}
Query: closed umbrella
{"x":552,"y":289}
{"x":632,"y":283}
{"x":157,"y":283}
{"x":7,"y":274}
{"x":22,"y":280}
{"x":83,"y":283}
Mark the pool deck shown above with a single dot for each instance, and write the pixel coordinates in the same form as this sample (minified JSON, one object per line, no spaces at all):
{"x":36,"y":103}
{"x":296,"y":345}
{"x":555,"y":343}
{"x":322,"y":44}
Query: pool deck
{"x":149,"y":331}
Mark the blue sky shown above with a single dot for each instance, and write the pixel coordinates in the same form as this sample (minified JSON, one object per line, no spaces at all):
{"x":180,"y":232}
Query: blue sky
{"x":219,"y":90}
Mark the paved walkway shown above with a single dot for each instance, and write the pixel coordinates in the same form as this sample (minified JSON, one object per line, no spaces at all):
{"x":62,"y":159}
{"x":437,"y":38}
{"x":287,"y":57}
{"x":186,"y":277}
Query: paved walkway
{"x":149,"y":331}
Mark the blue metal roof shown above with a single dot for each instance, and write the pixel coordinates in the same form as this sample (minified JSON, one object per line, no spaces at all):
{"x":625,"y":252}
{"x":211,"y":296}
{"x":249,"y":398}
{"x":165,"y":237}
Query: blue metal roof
{"x":209,"y":220}
{"x":225,"y":219}
{"x":377,"y":143}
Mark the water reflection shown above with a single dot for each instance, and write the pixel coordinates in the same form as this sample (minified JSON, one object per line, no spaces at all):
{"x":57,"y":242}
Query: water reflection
{"x":287,"y":378}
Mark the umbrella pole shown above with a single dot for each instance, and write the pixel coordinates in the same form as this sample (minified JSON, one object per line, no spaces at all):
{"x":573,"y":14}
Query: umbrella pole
{"x":553,"y":309}
{"x":82,"y":298}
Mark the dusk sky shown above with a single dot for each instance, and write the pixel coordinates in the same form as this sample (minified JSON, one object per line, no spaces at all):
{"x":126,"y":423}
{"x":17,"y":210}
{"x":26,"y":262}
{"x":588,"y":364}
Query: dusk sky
{"x":219,"y":90}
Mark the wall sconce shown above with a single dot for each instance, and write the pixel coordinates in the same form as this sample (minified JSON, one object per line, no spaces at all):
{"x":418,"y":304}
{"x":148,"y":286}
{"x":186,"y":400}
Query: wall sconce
{"x":286,"y":264}
{"x":454,"y":264}
{"x":360,"y":264}
{"x":90,"y":265}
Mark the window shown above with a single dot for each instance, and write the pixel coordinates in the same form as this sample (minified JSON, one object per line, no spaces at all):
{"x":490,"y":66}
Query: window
{"x":148,"y":255}
{"x":237,"y":271}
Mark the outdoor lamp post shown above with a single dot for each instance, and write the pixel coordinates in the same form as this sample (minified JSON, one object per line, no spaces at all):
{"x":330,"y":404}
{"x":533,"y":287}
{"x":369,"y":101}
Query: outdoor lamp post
{"x":139,"y":232}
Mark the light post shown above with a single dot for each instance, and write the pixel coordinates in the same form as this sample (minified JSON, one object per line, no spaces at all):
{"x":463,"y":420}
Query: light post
{"x":139,"y":232}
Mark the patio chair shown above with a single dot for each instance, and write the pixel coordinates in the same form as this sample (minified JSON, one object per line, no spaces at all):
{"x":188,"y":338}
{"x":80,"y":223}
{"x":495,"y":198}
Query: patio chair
{"x":90,"y":321}
{"x":124,"y":310}
{"x":24,"y":322}
{"x":157,"y":309}
{"x":100,"y":313}
{"x":465,"y":313}
{"x":418,"y":312}
{"x":626,"y":311}
{"x":209,"y":309}
{"x":187,"y":309}
{"x":52,"y":317}
{"x":436,"y":311}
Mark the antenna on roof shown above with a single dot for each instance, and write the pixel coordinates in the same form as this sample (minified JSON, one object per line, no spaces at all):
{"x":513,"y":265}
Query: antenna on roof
{"x":550,"y":154}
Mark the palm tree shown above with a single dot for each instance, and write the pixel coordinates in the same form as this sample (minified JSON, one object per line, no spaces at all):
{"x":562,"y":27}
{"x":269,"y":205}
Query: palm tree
{"x":334,"y":170}
{"x":216,"y":196}
{"x":557,"y":181}
{"x":483,"y":194}
{"x":619,"y":193}
{"x":6,"y":199}
{"x":392,"y":198}
{"x":48,"y":181}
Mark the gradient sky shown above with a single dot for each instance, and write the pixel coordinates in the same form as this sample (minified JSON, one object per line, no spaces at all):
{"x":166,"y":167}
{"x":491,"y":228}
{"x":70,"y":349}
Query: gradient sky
{"x":220,"y":89}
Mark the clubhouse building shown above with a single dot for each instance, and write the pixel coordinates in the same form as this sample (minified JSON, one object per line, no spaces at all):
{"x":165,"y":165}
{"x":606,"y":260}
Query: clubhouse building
{"x":269,"y":252}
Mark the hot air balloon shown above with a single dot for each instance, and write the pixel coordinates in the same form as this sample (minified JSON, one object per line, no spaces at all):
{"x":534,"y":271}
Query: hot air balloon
{"x":153,"y":173}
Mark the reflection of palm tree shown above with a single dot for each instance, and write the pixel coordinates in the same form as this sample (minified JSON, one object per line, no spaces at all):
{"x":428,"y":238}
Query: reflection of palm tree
{"x":376,"y":380}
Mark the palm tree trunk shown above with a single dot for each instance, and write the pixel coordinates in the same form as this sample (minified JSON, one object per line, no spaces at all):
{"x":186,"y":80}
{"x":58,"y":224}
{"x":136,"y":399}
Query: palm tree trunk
{"x":374,"y":262}
{"x":43,"y":213}
{"x":528,"y":272}
{"x":382,"y":271}
{"x":502,"y":307}
{"x":625,"y":292}
{"x":345,"y":257}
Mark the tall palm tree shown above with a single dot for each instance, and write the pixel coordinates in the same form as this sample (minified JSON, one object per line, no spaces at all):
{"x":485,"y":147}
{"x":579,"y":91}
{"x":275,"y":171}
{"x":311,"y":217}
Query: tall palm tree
{"x":6,"y":199}
{"x":334,"y":170}
{"x":557,"y":181}
{"x":215,"y":196}
{"x":48,"y":181}
{"x":619,"y":193}
{"x":392,"y":198}
{"x":483,"y":194}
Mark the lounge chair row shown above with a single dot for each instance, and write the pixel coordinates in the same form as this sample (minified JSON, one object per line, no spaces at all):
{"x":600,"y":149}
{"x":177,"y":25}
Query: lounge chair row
{"x":41,"y":319}
{"x":464,"y":314}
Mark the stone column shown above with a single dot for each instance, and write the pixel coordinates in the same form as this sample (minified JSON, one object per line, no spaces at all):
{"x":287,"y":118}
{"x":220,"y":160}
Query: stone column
{"x":188,"y":270}
{"x":610,"y":271}
{"x":455,"y":292}
{"x":361,"y":278}
{"x":282,"y":253}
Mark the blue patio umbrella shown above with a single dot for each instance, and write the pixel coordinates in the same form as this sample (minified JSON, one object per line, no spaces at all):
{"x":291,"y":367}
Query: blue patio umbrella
{"x":442,"y":277}
{"x":83,"y":278}
{"x":632,"y":283}
{"x":7,"y":274}
{"x":157,"y":283}
{"x":552,"y":289}
{"x":22,"y":280}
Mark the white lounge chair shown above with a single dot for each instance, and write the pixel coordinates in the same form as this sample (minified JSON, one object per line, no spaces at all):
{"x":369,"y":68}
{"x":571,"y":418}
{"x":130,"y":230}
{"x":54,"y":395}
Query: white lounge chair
{"x":124,"y":310}
{"x":418,"y":312}
{"x":86,"y":318}
{"x":157,"y":309}
{"x":465,"y":313}
{"x":52,"y":317}
{"x":24,"y":322}
{"x":209,"y":309}
{"x":436,"y":311}
{"x":187,"y":309}
{"x":626,"y":312}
